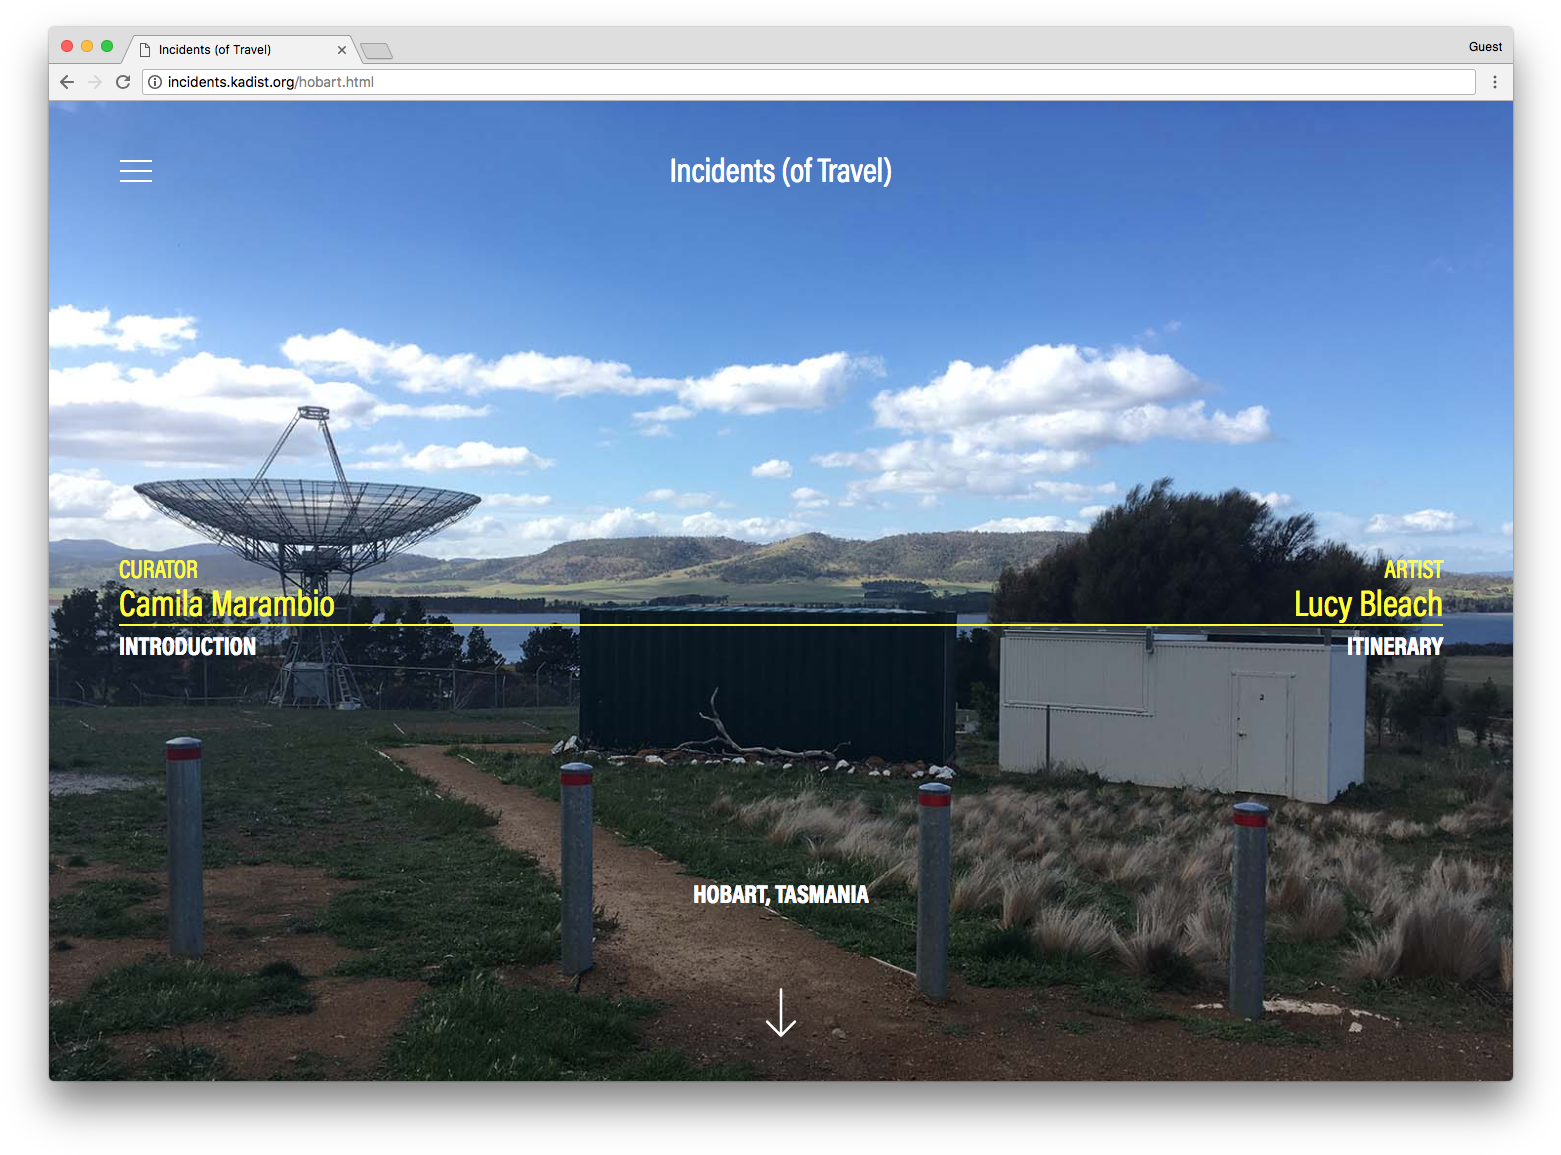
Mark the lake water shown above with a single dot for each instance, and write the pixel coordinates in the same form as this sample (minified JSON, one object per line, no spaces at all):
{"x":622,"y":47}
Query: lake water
{"x":508,"y":636}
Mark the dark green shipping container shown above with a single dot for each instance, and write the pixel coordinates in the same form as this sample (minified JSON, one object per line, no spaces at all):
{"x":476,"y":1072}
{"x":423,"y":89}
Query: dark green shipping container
{"x":865,"y":681}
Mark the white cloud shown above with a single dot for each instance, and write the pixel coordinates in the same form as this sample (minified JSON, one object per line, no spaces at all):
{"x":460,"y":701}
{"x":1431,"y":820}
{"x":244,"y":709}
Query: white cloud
{"x":1274,"y":501}
{"x":202,"y":409}
{"x":935,"y":466}
{"x":73,"y":328}
{"x":385,"y":449}
{"x":1421,"y":521}
{"x":538,"y":533}
{"x":466,"y":455}
{"x":1506,"y":528}
{"x":1030,"y":525}
{"x":747,"y":528}
{"x":516,"y":500}
{"x":682,"y":500}
{"x":664,"y":413}
{"x":624,"y":521}
{"x":981,"y":429}
{"x":1043,"y":379}
{"x":83,"y":504}
{"x":1091,"y":512}
{"x":809,"y":498}
{"x":774,"y":467}
{"x":743,"y":389}
{"x":87,"y":493}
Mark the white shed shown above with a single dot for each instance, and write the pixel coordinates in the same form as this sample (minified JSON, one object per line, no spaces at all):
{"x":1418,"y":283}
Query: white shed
{"x":1250,"y":716}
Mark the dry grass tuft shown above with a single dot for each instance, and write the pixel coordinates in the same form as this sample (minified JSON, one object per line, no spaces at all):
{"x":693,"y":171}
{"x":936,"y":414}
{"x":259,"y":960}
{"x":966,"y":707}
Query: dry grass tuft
{"x":1073,"y":933}
{"x":1439,"y":934}
{"x":1154,"y":946}
{"x":1024,"y":890}
{"x":977,"y":887}
{"x":1207,"y":928}
{"x":1319,"y":917}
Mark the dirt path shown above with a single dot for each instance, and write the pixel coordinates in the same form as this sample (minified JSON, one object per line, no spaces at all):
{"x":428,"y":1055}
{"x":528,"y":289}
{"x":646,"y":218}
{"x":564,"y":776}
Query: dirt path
{"x":717,"y":969}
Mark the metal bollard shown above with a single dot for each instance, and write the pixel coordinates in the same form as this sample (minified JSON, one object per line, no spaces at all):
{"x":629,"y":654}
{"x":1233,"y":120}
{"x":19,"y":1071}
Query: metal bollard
{"x":1248,"y":908}
{"x":932,"y":891}
{"x":186,"y":936}
{"x":574,"y":792}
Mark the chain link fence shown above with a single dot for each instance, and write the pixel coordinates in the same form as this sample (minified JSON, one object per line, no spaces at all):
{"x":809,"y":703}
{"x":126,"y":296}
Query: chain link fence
{"x":110,"y":681}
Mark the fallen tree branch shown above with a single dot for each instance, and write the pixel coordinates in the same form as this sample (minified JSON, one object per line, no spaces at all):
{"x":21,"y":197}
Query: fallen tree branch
{"x":724,"y":739}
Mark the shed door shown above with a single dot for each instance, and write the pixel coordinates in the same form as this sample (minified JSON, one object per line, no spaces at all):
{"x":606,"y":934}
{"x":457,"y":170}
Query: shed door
{"x":1262,"y":734}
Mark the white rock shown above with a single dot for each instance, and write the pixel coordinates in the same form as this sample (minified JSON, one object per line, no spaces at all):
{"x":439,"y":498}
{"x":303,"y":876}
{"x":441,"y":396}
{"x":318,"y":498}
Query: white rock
{"x":842,"y":764}
{"x":653,"y":760}
{"x":739,"y":761}
{"x":851,"y":771}
{"x":571,"y":743}
{"x":1356,"y":1028}
{"x":558,"y":747}
{"x":787,"y":766}
{"x":918,"y":773}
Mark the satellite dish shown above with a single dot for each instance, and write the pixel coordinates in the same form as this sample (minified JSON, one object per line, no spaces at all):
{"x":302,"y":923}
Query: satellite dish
{"x":306,"y":531}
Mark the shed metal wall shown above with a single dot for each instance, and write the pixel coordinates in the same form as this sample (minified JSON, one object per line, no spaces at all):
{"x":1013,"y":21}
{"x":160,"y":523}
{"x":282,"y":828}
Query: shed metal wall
{"x":1184,"y":730}
{"x":870,"y":690}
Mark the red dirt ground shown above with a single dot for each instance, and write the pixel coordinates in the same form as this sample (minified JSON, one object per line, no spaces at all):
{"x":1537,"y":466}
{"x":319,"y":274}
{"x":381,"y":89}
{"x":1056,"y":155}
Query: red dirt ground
{"x":249,"y":914}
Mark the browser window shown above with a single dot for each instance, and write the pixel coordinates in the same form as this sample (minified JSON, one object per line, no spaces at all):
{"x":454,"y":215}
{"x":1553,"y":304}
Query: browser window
{"x":780,"y":553}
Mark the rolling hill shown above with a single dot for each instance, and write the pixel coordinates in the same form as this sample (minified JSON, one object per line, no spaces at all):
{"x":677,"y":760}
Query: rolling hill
{"x":945,"y":558}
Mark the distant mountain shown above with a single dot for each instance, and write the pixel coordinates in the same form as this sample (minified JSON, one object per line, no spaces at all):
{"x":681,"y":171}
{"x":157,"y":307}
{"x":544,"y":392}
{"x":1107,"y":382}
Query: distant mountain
{"x":957,"y":556}
{"x":975,"y":558}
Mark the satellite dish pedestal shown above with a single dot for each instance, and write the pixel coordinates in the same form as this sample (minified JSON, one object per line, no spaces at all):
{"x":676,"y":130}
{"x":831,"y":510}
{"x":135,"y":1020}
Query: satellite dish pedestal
{"x":306,"y":531}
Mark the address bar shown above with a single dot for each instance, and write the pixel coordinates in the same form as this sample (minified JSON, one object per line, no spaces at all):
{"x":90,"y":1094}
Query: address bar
{"x":1018,"y":83}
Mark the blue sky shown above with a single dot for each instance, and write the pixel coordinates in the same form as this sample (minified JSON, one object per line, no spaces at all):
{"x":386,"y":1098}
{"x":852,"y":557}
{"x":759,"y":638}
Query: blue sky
{"x":1050,"y":303}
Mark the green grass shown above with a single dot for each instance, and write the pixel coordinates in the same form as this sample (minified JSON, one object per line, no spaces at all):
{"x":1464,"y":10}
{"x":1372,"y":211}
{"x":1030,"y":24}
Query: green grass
{"x":183,"y":1064}
{"x":159,"y":992}
{"x":481,"y":1029}
{"x":434,"y":895}
{"x":106,"y":908}
{"x":87,"y":1061}
{"x":1264,"y":1031}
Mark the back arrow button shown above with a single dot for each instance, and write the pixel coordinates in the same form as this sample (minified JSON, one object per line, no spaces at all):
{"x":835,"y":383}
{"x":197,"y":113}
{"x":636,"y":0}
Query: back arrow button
{"x":65,"y":81}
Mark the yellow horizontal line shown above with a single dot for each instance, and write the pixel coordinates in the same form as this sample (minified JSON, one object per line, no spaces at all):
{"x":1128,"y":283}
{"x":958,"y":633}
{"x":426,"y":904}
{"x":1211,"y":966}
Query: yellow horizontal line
{"x":788,"y":625}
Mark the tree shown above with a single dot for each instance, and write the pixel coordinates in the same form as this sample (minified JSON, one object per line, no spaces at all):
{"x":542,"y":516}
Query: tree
{"x":1478,"y":707}
{"x":984,"y":700}
{"x":1379,"y":700}
{"x":1191,"y":557}
{"x":76,"y":632}
{"x":1420,"y":701}
{"x":480,"y":654}
{"x":556,"y":647}
{"x":974,"y":663}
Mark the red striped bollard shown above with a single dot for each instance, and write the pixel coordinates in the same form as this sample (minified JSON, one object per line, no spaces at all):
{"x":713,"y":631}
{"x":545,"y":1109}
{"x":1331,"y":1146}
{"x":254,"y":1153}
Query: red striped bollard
{"x":186,"y":936}
{"x":1248,"y":908}
{"x":575,"y":922}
